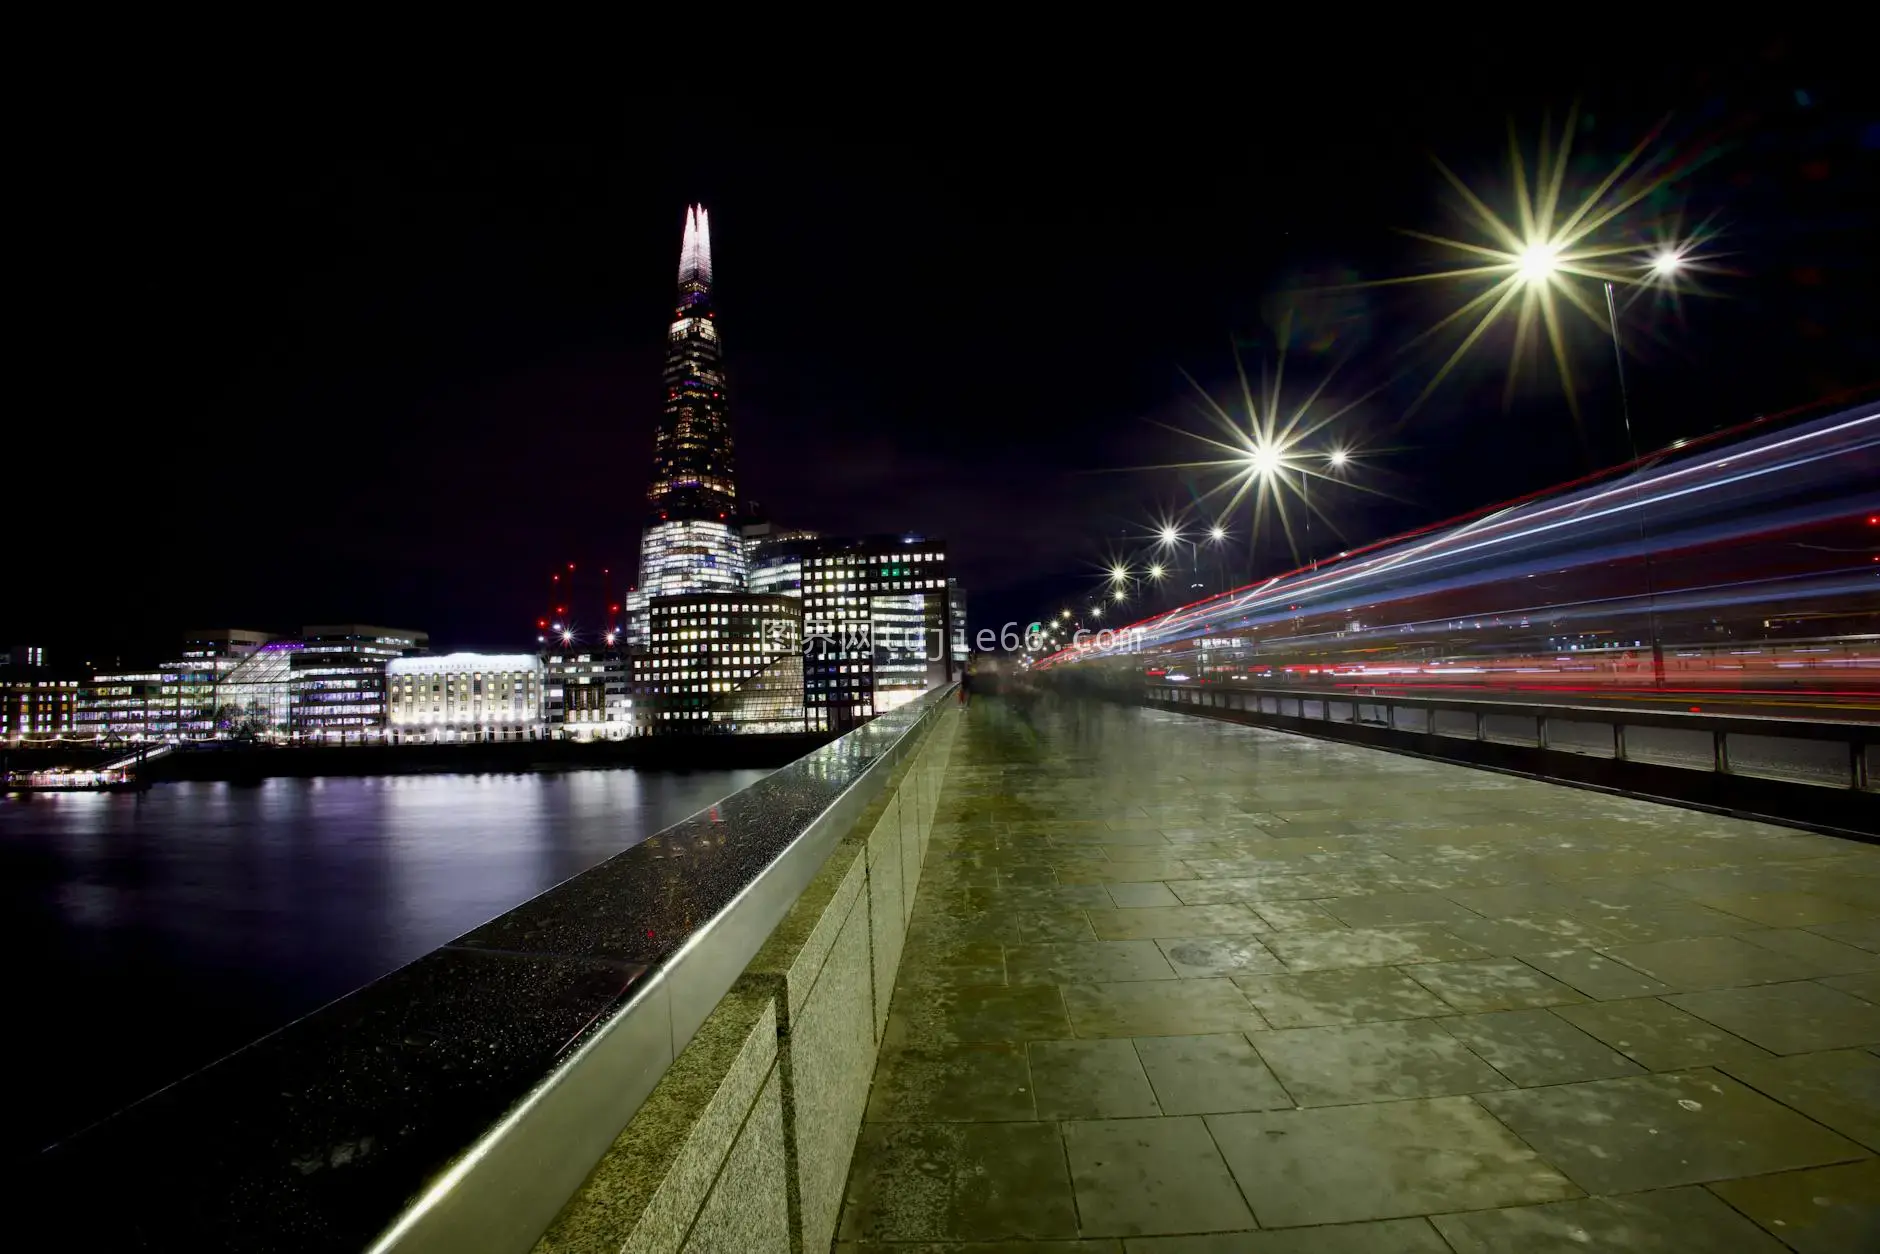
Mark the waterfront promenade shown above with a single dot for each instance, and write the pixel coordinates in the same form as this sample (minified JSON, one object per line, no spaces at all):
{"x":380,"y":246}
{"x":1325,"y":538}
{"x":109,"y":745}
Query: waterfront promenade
{"x":1168,"y":978}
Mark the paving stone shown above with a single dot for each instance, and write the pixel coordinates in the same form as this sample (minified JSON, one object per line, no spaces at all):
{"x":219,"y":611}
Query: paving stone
{"x":1829,"y":1210}
{"x":1821,"y":955}
{"x":1865,"y":987}
{"x":1110,"y":1246}
{"x":1641,"y":925}
{"x":1519,"y":899}
{"x":1295,"y":916}
{"x":1780,"y":909}
{"x":1862,"y":934}
{"x":1086,"y":962}
{"x":1658,"y":1131}
{"x":1138,"y":896}
{"x":1149,"y":923}
{"x":1386,"y":909}
{"x":975,"y":1014}
{"x":1668,"y":1221}
{"x":1140,"y":1176}
{"x":1100,"y":1079}
{"x":1114,"y":871}
{"x":955,"y":1083}
{"x":1791,"y":1018}
{"x":1537,"y":1047}
{"x":1373,"y":1062}
{"x":1368,"y":947}
{"x":1204,"y":1075}
{"x":1047,"y":898}
{"x":950,"y":962}
{"x":1839,"y":1088}
{"x":1389,"y":1236}
{"x":958,"y":1182}
{"x":1159,"y":1008}
{"x":1702,"y":962}
{"x":1657,"y":1036}
{"x":1491,"y":984}
{"x":1592,"y":973}
{"x":1381,"y":1161}
{"x":1345,"y":995}
{"x":1525,"y":934}
{"x":1194,"y":957}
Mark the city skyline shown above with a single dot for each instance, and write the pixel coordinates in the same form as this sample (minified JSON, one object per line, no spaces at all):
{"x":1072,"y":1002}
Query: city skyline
{"x":411,"y":387}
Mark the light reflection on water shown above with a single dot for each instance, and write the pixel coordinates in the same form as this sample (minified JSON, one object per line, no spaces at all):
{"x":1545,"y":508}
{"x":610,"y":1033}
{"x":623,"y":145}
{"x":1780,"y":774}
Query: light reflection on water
{"x":157,"y":931}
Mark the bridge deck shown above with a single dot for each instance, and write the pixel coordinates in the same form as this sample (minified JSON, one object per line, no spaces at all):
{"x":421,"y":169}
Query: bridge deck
{"x":1172,"y":976}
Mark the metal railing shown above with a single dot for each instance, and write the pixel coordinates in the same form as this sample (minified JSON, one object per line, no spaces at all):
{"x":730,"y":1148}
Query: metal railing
{"x":1841,"y":756}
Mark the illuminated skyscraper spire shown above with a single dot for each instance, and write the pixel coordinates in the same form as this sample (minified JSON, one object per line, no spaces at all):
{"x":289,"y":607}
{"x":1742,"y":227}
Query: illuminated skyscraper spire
{"x":695,"y":255}
{"x":691,"y":542}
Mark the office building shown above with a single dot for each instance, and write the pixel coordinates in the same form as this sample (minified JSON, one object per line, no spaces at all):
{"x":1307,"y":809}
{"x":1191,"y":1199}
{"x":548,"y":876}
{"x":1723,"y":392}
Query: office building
{"x":193,"y":681}
{"x":587,"y":694}
{"x":37,"y":705}
{"x":131,"y":705}
{"x":465,"y":697}
{"x":254,"y":698}
{"x":775,"y":558}
{"x":337,"y":686}
{"x":721,"y":662}
{"x":691,"y":542}
{"x":878,"y":627}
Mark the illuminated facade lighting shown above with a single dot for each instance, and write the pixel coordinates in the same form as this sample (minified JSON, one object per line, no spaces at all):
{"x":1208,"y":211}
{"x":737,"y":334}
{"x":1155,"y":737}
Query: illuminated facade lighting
{"x":465,"y":697}
{"x":35,"y":704}
{"x":337,"y":690}
{"x":721,"y":663}
{"x":691,"y":543}
{"x":776,"y":558}
{"x":587,"y":695}
{"x":882,"y":624}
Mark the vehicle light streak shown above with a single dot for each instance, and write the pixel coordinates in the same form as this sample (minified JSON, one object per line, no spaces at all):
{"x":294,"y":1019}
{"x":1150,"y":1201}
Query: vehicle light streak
{"x":1759,"y":550}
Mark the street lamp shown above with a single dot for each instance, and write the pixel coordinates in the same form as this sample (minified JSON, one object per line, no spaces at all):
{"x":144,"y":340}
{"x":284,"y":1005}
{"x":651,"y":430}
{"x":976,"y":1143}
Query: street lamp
{"x":1217,"y":539}
{"x":1538,"y":262}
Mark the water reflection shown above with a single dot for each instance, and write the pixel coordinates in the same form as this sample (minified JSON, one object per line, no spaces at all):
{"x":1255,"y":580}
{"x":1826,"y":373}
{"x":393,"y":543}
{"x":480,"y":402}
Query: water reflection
{"x":157,"y":931}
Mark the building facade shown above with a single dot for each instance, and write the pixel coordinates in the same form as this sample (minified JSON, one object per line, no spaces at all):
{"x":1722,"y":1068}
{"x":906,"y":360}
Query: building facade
{"x":691,"y":542}
{"x":209,"y":655}
{"x":254,"y":699}
{"x":587,"y":695}
{"x":36,"y":706}
{"x":337,"y":686}
{"x":131,"y":705}
{"x":877,"y":627}
{"x":775,"y":558}
{"x":465,"y":697}
{"x":721,"y":662}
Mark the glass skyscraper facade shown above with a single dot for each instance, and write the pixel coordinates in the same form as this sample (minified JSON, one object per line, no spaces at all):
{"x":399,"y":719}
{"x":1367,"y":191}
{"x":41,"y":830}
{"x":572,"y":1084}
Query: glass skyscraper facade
{"x":722,"y":663}
{"x":877,"y":627}
{"x":691,"y":543}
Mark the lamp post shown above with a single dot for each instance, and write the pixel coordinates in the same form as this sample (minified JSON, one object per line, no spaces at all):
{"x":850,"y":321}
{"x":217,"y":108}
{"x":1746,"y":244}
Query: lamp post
{"x":1663,"y":265}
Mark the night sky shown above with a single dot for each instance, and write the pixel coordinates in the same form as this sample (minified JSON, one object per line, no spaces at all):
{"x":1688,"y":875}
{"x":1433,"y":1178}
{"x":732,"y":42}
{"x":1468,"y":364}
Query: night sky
{"x":303,"y":356}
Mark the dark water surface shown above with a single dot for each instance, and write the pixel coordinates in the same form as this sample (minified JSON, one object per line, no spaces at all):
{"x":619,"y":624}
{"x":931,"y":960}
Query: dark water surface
{"x":150,"y":933}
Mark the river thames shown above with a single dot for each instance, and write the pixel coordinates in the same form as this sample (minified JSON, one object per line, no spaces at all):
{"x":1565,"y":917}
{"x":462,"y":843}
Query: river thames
{"x":151,"y":933}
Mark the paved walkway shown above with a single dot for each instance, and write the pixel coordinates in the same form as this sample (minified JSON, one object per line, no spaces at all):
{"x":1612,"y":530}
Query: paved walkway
{"x":1172,"y":976}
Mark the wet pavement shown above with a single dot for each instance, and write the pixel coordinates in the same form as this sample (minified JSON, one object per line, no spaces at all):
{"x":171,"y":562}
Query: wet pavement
{"x":1185,"y":986}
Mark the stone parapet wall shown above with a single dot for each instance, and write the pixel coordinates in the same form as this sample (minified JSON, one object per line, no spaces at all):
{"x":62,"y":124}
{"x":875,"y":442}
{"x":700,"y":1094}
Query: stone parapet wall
{"x":745,"y":1143}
